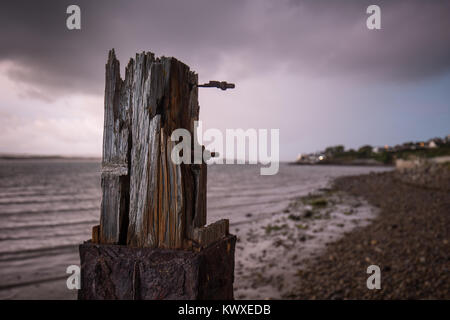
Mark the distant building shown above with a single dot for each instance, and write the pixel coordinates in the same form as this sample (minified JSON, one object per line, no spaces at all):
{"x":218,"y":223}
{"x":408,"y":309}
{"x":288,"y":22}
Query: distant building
{"x":432,"y":144}
{"x":435,"y":143}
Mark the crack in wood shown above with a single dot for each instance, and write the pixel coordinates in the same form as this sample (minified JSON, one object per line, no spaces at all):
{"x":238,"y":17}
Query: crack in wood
{"x":147,"y":200}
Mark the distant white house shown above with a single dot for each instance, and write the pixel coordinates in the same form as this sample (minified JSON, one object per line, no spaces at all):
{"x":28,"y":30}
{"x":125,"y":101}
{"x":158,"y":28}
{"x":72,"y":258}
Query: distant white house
{"x":432,"y":144}
{"x":376,"y":149}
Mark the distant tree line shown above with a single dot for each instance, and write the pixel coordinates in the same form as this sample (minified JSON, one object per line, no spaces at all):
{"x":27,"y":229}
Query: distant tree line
{"x":386,"y":155}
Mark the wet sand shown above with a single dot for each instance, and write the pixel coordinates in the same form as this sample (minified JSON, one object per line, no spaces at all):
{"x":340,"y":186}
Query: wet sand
{"x":272,"y":252}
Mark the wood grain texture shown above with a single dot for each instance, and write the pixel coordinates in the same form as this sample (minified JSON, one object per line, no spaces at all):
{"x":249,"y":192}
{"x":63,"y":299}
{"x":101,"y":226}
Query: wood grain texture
{"x":205,"y":236}
{"x":115,"y":173}
{"x":161,"y":192}
{"x":121,"y":272}
{"x":96,"y":234}
{"x":198,"y":218}
{"x":147,"y":200}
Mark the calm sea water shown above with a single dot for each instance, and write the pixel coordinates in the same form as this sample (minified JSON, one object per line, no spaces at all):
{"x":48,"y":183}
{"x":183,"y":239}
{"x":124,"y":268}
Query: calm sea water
{"x":47,"y":207}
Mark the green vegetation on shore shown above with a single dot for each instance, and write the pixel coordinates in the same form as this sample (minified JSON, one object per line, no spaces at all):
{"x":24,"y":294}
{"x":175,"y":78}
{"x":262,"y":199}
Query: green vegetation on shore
{"x":387,"y":155}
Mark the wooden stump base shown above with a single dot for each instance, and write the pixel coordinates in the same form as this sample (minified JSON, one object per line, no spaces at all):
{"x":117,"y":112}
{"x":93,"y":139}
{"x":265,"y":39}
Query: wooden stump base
{"x":121,"y":272}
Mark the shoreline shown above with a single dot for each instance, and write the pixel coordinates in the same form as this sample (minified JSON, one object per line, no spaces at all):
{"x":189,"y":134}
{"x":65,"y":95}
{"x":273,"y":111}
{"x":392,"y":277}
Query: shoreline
{"x":348,"y":164}
{"x":254,"y":199}
{"x":321,"y":244}
{"x":43,"y":158}
{"x":408,"y":240}
{"x":273,"y":251}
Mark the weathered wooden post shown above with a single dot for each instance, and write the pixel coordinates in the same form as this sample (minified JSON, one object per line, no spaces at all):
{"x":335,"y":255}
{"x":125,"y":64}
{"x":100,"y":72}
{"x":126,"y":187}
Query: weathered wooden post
{"x":152,"y":241}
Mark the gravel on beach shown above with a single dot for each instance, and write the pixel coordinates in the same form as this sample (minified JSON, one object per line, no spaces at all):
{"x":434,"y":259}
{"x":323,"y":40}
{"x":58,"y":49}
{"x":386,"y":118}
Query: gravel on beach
{"x":408,"y":240}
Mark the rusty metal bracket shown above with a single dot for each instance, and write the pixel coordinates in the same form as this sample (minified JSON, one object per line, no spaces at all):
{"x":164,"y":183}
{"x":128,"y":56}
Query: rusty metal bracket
{"x":217,"y":84}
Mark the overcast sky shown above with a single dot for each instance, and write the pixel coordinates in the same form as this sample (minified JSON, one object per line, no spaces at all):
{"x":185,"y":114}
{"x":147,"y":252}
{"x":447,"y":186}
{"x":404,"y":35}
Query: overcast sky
{"x":309,"y":68}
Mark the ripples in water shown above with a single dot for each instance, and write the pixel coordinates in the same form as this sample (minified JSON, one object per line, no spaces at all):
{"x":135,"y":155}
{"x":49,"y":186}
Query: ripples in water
{"x":47,"y":207}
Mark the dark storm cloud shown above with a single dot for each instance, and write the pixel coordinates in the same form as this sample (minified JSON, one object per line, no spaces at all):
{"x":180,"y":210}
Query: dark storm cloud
{"x":314,"y":38}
